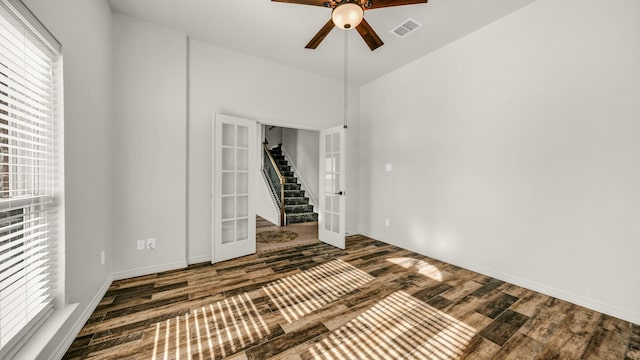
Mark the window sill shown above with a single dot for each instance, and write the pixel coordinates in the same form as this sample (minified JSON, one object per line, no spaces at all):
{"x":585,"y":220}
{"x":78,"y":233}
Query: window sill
{"x":41,"y":338}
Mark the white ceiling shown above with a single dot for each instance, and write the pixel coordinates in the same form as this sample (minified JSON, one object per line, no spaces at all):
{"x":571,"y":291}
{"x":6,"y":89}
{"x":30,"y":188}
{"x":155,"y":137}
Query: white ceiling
{"x":278,"y":32}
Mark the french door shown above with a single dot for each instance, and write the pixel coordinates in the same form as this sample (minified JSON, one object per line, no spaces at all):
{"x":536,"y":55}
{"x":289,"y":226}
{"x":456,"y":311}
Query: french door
{"x":331,"y":220}
{"x":234,"y":171}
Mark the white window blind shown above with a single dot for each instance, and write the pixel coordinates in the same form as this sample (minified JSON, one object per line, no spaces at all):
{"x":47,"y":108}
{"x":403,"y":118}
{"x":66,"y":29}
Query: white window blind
{"x":28,"y":57}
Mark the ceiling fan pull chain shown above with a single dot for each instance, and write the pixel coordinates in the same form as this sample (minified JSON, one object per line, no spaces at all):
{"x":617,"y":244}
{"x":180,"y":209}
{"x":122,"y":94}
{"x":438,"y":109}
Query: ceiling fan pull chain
{"x":346,"y":74}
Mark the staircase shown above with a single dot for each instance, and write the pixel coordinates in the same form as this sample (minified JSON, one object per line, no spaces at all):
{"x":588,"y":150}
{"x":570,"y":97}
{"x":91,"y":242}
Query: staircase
{"x":297,"y":207}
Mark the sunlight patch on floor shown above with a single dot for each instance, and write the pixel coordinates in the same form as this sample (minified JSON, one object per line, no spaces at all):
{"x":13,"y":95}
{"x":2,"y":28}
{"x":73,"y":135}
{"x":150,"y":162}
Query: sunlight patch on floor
{"x":302,"y":293}
{"x":399,"y":326}
{"x":420,"y":266}
{"x":213,"y":331}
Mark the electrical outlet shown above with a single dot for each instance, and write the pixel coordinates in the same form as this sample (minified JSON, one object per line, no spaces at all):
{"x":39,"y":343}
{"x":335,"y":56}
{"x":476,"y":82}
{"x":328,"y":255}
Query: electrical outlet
{"x":151,"y":243}
{"x":387,"y":222}
{"x":102,"y":257}
{"x":141,"y":244}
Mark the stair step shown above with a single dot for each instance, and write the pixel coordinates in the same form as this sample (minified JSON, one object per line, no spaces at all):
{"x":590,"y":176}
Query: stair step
{"x":296,"y":201}
{"x":301,"y":217}
{"x":287,"y":173}
{"x":290,"y":179}
{"x":291,"y":186}
{"x":284,"y":168}
{"x":293,"y":193}
{"x":277,"y":157}
{"x":296,"y":209}
{"x":281,"y":162}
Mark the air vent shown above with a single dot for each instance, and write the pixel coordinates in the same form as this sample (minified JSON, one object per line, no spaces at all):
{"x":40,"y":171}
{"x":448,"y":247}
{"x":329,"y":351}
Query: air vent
{"x":406,"y":28}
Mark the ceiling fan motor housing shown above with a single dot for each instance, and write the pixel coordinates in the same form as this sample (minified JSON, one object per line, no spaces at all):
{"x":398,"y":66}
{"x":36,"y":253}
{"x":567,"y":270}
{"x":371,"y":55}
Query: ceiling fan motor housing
{"x":365,"y":4}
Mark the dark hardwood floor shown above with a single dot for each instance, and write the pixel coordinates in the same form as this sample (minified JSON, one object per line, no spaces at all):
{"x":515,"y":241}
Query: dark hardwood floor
{"x":370,"y":301}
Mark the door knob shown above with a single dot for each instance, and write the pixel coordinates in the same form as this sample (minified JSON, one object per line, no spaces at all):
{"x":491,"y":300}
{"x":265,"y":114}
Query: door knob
{"x":341,"y":193}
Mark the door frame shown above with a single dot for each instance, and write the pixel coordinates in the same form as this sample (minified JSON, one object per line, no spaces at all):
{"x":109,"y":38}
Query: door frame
{"x":259,"y":122}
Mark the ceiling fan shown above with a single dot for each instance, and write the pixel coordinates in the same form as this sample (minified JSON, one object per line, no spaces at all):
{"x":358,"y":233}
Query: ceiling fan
{"x":347,"y":14}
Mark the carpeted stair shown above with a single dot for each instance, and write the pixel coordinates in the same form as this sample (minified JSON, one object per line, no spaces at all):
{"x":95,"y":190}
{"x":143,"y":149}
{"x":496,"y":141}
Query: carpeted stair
{"x":297,"y":206}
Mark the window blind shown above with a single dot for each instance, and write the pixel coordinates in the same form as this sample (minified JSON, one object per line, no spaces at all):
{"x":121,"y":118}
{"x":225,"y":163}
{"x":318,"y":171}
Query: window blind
{"x":28,"y":56}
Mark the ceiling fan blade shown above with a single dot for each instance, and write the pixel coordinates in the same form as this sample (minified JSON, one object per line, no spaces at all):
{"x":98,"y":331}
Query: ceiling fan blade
{"x":368,"y":35}
{"x":317,"y":39}
{"x":387,"y":3}
{"x":303,"y":2}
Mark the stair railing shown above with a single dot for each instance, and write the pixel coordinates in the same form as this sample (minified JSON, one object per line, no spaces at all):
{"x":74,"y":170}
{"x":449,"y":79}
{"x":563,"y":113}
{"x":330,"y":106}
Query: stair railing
{"x":276,"y":180}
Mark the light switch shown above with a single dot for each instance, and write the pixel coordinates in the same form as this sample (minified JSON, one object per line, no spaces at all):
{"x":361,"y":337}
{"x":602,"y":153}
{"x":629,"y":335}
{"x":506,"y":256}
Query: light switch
{"x":388,"y":167}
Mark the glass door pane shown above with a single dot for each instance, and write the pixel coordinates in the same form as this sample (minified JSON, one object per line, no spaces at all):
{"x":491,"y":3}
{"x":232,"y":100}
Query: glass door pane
{"x":233,"y":178}
{"x":331,"y":227}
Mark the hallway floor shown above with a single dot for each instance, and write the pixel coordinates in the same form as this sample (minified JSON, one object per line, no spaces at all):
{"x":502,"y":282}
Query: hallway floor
{"x":307,"y":234}
{"x":370,"y":301}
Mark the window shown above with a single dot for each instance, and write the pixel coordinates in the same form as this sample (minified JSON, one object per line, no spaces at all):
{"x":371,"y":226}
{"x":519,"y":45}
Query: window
{"x":29,"y":59}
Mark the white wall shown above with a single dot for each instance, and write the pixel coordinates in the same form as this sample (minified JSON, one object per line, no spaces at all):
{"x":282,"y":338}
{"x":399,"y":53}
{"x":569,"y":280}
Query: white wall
{"x":303,"y":148}
{"x":515,"y":152}
{"x":273,"y":136}
{"x":223,"y":81}
{"x":84,"y":29}
{"x":265,"y":205}
{"x":149,"y":148}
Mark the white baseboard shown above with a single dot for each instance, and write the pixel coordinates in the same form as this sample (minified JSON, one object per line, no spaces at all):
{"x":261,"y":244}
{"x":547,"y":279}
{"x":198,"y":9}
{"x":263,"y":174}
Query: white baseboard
{"x":62,"y":347}
{"x":583,"y":301}
{"x":199,"y":259}
{"x":624,"y":314}
{"x":125,"y":274}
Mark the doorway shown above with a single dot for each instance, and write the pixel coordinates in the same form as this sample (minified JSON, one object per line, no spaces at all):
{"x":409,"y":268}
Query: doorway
{"x":310,"y":166}
{"x":294,"y":155}
{"x":288,"y":182}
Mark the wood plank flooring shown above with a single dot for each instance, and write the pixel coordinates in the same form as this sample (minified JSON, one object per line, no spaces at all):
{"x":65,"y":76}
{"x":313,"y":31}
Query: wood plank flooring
{"x":370,"y":301}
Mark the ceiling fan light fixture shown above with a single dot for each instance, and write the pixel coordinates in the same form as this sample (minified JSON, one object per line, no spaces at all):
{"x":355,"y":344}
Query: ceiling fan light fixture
{"x":347,"y":15}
